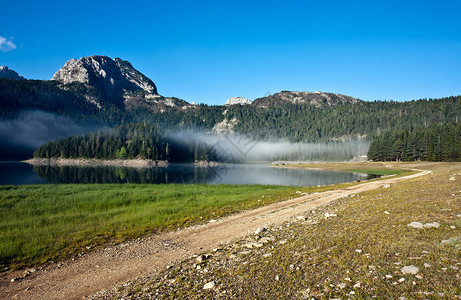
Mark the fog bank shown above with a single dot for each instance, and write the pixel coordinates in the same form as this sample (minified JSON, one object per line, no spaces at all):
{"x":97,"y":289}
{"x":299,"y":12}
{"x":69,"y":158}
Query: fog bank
{"x":20,"y":137}
{"x":239,"y":148}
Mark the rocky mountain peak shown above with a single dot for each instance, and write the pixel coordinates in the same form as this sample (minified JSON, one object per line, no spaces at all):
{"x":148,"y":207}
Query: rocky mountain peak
{"x":5,"y":72}
{"x":237,"y":100}
{"x":108,"y":75}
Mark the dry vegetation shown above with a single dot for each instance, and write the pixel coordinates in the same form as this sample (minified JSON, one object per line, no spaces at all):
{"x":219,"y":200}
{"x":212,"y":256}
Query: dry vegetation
{"x":359,"y":252}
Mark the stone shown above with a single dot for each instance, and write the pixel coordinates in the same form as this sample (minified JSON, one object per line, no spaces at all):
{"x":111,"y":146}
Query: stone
{"x":417,"y":225}
{"x":452,"y":178}
{"x":342,"y":285}
{"x":432,"y":225}
{"x":209,"y":285}
{"x":386,"y":186}
{"x":253,"y":245}
{"x":410,"y":270}
{"x":328,"y":215}
{"x":264,"y":240}
{"x":259,"y":230}
{"x":301,"y":218}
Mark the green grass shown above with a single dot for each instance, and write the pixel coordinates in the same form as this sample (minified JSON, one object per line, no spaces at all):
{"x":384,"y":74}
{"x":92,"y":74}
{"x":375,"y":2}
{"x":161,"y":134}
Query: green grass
{"x":48,"y":222}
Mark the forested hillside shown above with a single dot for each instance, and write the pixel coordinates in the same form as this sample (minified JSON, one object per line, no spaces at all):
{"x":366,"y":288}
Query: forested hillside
{"x":130,"y":141}
{"x":20,"y":95}
{"x":438,"y":142}
{"x":307,"y":123}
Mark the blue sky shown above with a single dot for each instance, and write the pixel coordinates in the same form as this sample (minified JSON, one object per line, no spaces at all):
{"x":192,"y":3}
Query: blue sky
{"x":208,"y":51}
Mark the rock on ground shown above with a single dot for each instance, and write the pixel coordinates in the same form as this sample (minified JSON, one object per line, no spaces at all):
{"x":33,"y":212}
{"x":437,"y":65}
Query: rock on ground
{"x":410,"y":270}
{"x":209,"y":285}
{"x":418,"y":225}
{"x":432,"y":225}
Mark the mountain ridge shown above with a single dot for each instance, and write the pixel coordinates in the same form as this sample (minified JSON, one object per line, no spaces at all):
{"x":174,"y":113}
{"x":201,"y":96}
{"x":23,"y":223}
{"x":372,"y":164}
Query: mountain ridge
{"x":7,"y":73}
{"x":311,"y":98}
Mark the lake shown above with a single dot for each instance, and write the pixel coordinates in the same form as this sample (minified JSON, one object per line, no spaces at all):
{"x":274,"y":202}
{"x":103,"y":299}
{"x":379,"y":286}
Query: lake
{"x":17,"y":173}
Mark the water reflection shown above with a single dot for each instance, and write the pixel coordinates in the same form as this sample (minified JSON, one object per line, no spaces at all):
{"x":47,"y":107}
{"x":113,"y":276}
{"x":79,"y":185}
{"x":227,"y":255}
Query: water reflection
{"x":15,"y":173}
{"x":188,"y":174}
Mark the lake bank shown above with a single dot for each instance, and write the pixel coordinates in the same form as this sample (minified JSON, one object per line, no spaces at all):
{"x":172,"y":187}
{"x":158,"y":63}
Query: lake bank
{"x":92,"y":162}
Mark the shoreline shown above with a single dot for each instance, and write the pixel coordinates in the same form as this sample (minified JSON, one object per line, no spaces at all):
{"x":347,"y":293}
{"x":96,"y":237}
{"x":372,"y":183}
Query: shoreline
{"x":92,"y":162}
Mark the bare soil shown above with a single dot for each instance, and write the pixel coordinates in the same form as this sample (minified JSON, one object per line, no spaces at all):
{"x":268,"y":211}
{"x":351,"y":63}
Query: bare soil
{"x":112,"y":266}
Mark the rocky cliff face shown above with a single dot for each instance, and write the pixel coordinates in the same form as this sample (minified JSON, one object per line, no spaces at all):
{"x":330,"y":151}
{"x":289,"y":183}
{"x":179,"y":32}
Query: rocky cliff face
{"x":313,"y":98}
{"x":237,"y":100}
{"x":136,"y":77}
{"x":5,"y":72}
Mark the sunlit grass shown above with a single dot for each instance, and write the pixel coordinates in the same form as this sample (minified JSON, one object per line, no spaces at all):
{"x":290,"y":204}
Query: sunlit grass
{"x":46,"y":222}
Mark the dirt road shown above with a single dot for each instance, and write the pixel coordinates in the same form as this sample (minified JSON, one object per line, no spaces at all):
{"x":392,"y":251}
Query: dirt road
{"x":112,"y":266}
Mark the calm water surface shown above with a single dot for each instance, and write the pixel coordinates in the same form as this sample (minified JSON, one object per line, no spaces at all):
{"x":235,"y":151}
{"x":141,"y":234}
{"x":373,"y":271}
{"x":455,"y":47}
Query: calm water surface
{"x":16,"y":173}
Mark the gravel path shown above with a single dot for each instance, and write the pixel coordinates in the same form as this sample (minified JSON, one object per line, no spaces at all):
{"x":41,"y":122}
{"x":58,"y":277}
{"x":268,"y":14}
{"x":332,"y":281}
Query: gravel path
{"x":114,"y":265}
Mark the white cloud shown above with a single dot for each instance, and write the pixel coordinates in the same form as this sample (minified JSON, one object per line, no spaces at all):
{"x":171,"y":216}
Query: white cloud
{"x":6,"y":44}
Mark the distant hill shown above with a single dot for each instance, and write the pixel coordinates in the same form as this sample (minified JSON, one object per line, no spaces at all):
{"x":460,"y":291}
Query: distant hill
{"x":316,"y":98}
